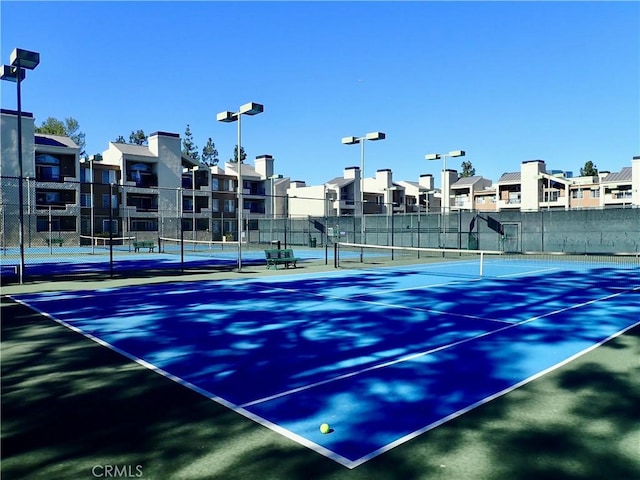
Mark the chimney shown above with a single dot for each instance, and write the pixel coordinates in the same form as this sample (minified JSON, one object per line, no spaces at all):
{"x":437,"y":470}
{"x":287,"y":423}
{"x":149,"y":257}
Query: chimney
{"x":384,"y":178}
{"x":264,"y":165}
{"x":352,"y":172}
{"x":426,"y":181}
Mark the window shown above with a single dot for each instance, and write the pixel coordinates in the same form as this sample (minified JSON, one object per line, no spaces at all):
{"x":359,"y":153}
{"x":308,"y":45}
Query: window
{"x":47,"y":173}
{"x":230,"y":185}
{"x":105,"y":201}
{"x":576,"y":194}
{"x":230,"y":226}
{"x":85,"y":175}
{"x":229,"y":205}
{"x":202,"y":224}
{"x":47,"y":168}
{"x":108,"y":176}
{"x":622,"y":194}
{"x":143,"y":203}
{"x":85,"y":226}
{"x":110,"y":223}
{"x":595,"y":193}
{"x":215,"y":204}
{"x":514,"y":197}
{"x":215,"y":184}
{"x":58,"y":224}
{"x":144,"y":225}
{"x":85,"y":200}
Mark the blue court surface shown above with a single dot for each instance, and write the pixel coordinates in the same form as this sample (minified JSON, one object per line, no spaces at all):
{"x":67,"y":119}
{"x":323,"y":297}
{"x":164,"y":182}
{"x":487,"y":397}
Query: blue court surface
{"x":80,"y":260}
{"x":380,"y":355}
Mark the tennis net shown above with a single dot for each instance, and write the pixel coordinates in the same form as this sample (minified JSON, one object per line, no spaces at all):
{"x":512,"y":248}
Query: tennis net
{"x":118,"y":243}
{"x":204,"y":248}
{"x":488,"y":263}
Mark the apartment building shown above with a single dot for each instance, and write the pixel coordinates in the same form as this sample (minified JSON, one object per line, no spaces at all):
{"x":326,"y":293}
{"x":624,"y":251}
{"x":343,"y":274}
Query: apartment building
{"x":534,"y":188}
{"x":144,"y":191}
{"x":464,"y":191}
{"x":51,"y":189}
{"x":154,"y":190}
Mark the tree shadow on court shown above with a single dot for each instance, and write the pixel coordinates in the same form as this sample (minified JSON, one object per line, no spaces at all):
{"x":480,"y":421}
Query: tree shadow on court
{"x":69,"y":404}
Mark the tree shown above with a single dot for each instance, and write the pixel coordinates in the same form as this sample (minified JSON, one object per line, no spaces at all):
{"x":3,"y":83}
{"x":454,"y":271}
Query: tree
{"x":120,"y":139}
{"x":189,"y":149}
{"x":209,"y":154}
{"x":138,"y":138}
{"x":243,"y":155}
{"x":589,"y":170}
{"x":69,"y":128}
{"x":467,"y":170}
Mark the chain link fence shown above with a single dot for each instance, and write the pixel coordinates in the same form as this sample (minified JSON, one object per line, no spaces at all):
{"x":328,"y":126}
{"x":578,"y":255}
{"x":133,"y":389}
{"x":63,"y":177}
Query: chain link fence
{"x":83,"y":229}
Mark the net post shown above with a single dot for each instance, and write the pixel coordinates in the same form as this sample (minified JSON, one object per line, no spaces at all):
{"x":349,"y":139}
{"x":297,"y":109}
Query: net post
{"x":335,"y":255}
{"x":181,"y":248}
{"x":481,"y":264}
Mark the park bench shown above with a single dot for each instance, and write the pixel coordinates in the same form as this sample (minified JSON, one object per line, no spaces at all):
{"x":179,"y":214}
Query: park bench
{"x":277,"y":257}
{"x":54,"y":241}
{"x":138,"y":244}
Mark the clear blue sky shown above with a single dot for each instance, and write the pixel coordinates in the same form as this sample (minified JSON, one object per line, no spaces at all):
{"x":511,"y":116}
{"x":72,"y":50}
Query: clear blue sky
{"x":505,"y":81}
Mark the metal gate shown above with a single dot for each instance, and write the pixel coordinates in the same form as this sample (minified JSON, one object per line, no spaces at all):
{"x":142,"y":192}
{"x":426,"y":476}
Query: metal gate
{"x":511,"y":240}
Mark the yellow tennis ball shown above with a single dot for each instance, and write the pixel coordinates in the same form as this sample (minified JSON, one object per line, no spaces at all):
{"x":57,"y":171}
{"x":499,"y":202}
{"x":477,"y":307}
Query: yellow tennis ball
{"x":324,"y":428}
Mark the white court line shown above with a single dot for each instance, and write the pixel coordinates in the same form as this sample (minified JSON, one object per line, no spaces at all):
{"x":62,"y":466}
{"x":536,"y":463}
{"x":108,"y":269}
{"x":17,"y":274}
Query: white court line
{"x":530,"y":272}
{"x":412,"y":435}
{"x":232,"y":406}
{"x":413,"y":356}
{"x":312,"y":445}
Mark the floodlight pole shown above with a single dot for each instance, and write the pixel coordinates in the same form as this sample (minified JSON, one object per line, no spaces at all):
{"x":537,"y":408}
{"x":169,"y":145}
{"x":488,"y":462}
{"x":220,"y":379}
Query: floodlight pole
{"x":443,"y":208}
{"x":21,"y":170}
{"x":90,"y":160}
{"x":228,"y":117}
{"x":351,"y":141}
{"x":20,"y":60}
{"x":272,"y":179}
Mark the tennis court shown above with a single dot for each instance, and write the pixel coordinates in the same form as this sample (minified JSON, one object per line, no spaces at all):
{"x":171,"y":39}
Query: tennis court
{"x":122,"y":257}
{"x":381,"y":354}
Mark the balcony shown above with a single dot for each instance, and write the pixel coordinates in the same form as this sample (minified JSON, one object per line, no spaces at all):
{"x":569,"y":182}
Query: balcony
{"x":142,"y":179}
{"x":143,"y":203}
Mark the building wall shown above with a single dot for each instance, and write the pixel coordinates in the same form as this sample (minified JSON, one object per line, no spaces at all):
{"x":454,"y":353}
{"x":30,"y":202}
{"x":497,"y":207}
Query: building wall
{"x":9,"y":145}
{"x":305,"y":201}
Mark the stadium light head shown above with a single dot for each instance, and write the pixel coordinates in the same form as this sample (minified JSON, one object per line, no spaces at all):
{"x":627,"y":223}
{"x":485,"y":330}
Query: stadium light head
{"x":251,"y":108}
{"x":350,"y":140}
{"x":10,"y":73}
{"x":457,"y":153}
{"x":226,"y":117}
{"x":432,"y":156}
{"x":375,"y":136}
{"x":24,"y":58}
